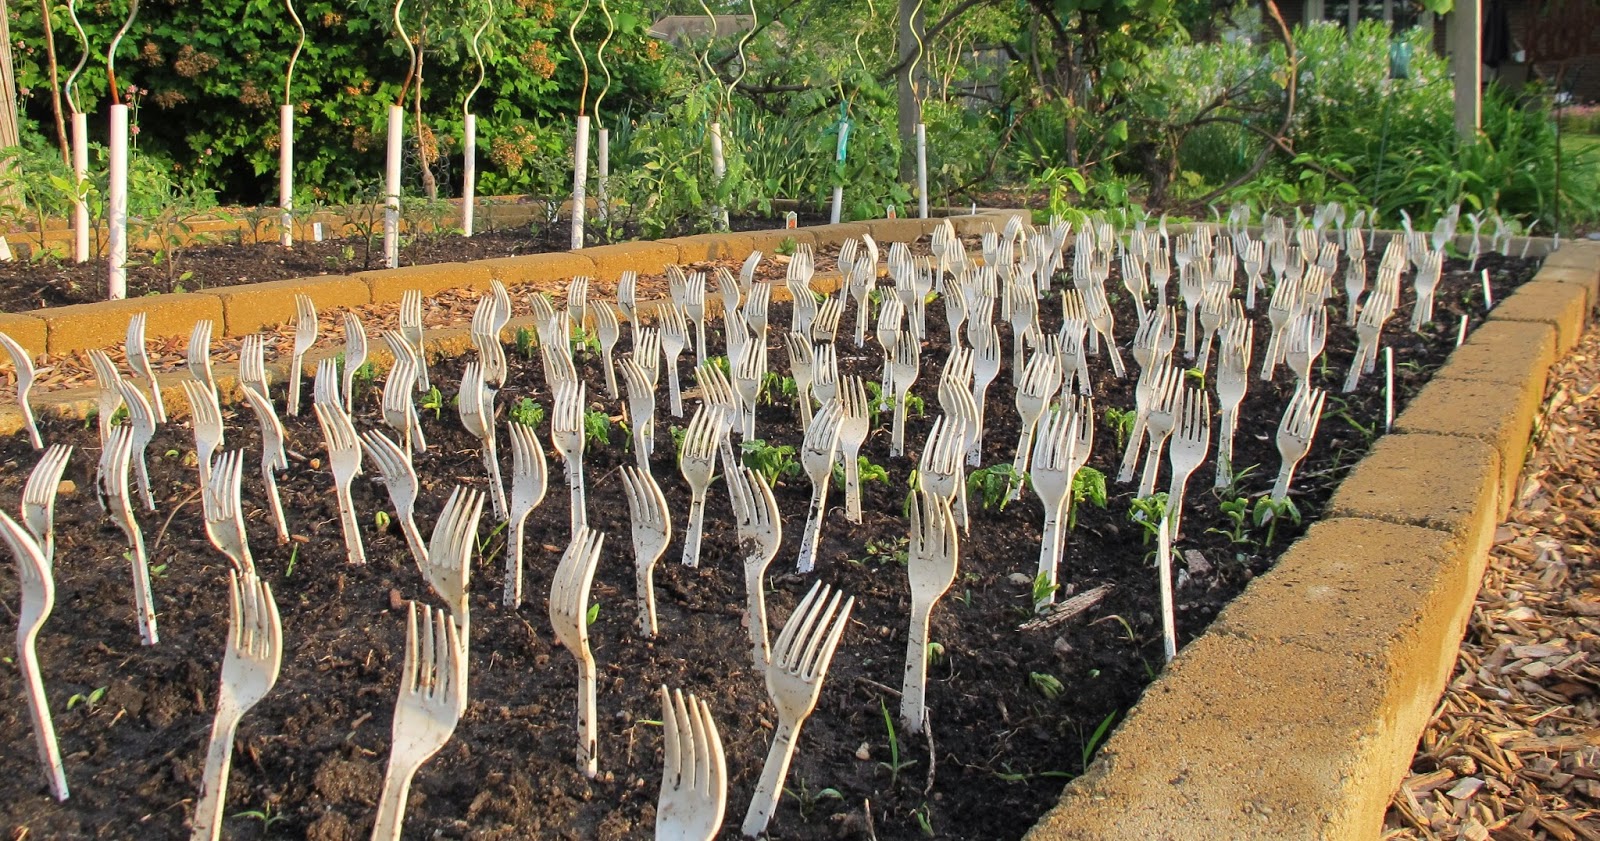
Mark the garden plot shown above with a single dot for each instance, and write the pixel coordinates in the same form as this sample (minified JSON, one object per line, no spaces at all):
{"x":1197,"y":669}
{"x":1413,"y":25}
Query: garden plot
{"x":1012,"y":711}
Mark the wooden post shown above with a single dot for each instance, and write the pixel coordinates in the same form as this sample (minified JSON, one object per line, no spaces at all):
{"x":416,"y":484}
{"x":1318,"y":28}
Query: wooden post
{"x":1466,"y":62}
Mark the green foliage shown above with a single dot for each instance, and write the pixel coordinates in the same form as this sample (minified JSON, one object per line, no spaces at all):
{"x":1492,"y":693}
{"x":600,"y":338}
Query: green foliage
{"x":890,"y":551}
{"x":1269,"y":512}
{"x":584,"y":342}
{"x":1046,"y":684}
{"x":1148,"y":512}
{"x":528,"y":412}
{"x":1237,"y":510}
{"x":1042,"y":590}
{"x":1121,"y":422}
{"x":1088,"y":485}
{"x":772,"y":461}
{"x":866,"y":471}
{"x":993,"y":485}
{"x":527,"y":343}
{"x":596,"y":428}
{"x":434,"y":401}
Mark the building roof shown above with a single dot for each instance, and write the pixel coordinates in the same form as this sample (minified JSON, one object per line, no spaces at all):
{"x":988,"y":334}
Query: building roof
{"x":680,"y":29}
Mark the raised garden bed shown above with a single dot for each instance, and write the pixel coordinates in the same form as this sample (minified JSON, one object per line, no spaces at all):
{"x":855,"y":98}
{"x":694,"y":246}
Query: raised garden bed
{"x":314,"y":749}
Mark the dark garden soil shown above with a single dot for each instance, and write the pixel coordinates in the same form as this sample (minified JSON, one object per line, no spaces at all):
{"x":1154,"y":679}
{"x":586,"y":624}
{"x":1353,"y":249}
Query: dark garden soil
{"x":133,"y":721}
{"x":50,"y":282}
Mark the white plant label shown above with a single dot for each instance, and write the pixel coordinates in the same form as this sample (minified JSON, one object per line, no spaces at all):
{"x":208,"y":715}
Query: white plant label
{"x":1461,"y":334}
{"x":1388,"y":388}
{"x":5,"y":250}
{"x":316,"y":231}
{"x":889,"y":213}
{"x":1169,"y":623}
{"x":1488,"y":294}
{"x":791,"y":220}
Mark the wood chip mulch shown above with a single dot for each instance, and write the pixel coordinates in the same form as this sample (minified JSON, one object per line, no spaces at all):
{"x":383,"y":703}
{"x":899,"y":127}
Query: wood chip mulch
{"x":1513,"y":751}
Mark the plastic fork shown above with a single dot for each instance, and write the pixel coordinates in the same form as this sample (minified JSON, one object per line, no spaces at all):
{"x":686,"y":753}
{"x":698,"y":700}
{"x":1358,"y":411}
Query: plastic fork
{"x":1295,"y":431}
{"x":854,"y":425}
{"x":674,"y":337}
{"x":556,"y":355}
{"x":628,"y":302}
{"x":305,"y":335}
{"x":825,"y":327}
{"x":448,"y":566}
{"x":697,"y":461}
{"x":1280,"y":311}
{"x":476,"y":404}
{"x":931,"y":565}
{"x":694,"y":782}
{"x":755,"y":306}
{"x":816,"y":456}
{"x":23,"y":364}
{"x":249,"y":671}
{"x":205,"y":416}
{"x":1233,"y":380}
{"x":1213,"y":309}
{"x":1024,"y":320}
{"x":609,"y":331}
{"x":749,"y":371}
{"x":1034,"y":390}
{"x":730,"y":292}
{"x":344,"y":460}
{"x":1054,"y":463}
{"x":113,"y":492}
{"x":1160,"y":419}
{"x":198,"y":354}
{"x":139,"y":360}
{"x":142,"y":418}
{"x":529,"y":480}
{"x":1099,"y":309}
{"x":355,"y":356}
{"x":486,"y":341}
{"x":273,"y":458}
{"x":223,"y":513}
{"x":641,"y":410}
{"x":694,"y":307}
{"x":903,"y":366}
{"x":566,"y":433}
{"x":652,"y":529}
{"x":578,"y":300}
{"x":760,"y":531}
{"x":800,"y":659}
{"x":825,"y":372}
{"x":939,"y":469}
{"x":400,"y":478}
{"x":109,"y":396}
{"x":1306,"y":336}
{"x":569,"y":615}
{"x":890,"y":313}
{"x":399,"y":410}
{"x":985,"y":368}
{"x":38,"y":599}
{"x":39,"y":498}
{"x":411,"y":329}
{"x":253,"y":366}
{"x":802,"y":366}
{"x":433,"y":695}
{"x":1190,"y":444}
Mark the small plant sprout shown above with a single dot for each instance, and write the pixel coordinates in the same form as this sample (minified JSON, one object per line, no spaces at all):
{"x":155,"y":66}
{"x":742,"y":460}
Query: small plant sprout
{"x":1046,"y":684}
{"x":527,"y":411}
{"x":1043,"y":590}
{"x":1237,"y":510}
{"x":772,"y":462}
{"x":1088,"y":485}
{"x":894,"y":765}
{"x":993,"y":485}
{"x":597,"y":428}
{"x":1269,"y":511}
{"x":1148,"y":511}
{"x":433,"y":400}
{"x":1121,"y":423}
{"x":867,"y":471}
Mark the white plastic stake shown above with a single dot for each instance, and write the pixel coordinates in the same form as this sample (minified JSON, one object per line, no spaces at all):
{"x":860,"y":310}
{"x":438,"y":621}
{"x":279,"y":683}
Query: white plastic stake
{"x":1169,"y":620}
{"x":719,"y":168}
{"x":839,"y":155}
{"x":469,"y":176}
{"x":1461,"y":334}
{"x":80,"y":171}
{"x":1388,"y":388}
{"x":5,"y":250}
{"x":286,"y":172}
{"x":1488,"y":294}
{"x":922,"y":170}
{"x":316,"y":231}
{"x":117,"y":205}
{"x":603,"y":183}
{"x":580,"y":173}
{"x":391,"y":188}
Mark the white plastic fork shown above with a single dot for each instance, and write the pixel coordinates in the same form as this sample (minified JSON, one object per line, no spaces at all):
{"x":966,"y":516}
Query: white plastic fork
{"x":800,"y":659}
{"x":652,"y":529}
{"x":931,"y":557}
{"x":609,"y":331}
{"x":566,"y":433}
{"x":1054,"y":464}
{"x":694,"y":782}
{"x":755,"y":306}
{"x":224,"y":515}
{"x":205,"y":416}
{"x":355,"y":355}
{"x":1233,"y":381}
{"x":344,"y":461}
{"x":1295,"y":431}
{"x":252,"y":365}
{"x":903,"y":367}
{"x":1034,"y":390}
{"x":399,"y":408}
{"x":749,"y":371}
{"x":23,"y":364}
{"x":569,"y":615}
{"x":529,"y":481}
{"x":697,"y":462}
{"x":113,"y":492}
{"x":198,"y":354}
{"x":760,"y":531}
{"x":628,"y":302}
{"x":674,"y":337}
{"x":1190,"y":444}
{"x":109,"y":397}
{"x":802,"y":364}
{"x":305,"y":335}
{"x":38,"y":599}
{"x":449,"y":561}
{"x":641,"y":410}
{"x":400,"y":478}
{"x":486,"y":341}
{"x":273,"y":457}
{"x":433,"y":695}
{"x":1159,"y":423}
{"x":986,"y":361}
{"x":249,"y":671}
{"x":143,"y":420}
{"x":411,"y":329}
{"x":694,"y":307}
{"x":476,"y":404}
{"x":1100,"y":317}
{"x":39,"y":498}
{"x":816,"y":456}
{"x":939,"y":469}
{"x":139,"y":360}
{"x":854,"y":425}
{"x":1305,"y":337}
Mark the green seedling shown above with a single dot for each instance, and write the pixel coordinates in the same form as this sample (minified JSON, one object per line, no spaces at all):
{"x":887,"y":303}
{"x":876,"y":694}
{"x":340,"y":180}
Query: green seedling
{"x":380,"y":520}
{"x":265,"y":815}
{"x":772,"y":462}
{"x":1121,"y":423}
{"x":894,"y":764}
{"x":593,"y":614}
{"x":527,"y":342}
{"x":1237,"y":510}
{"x":88,"y":701}
{"x":924,"y":822}
{"x":865,"y":470}
{"x":1088,"y":485}
{"x":362,"y":380}
{"x":890,"y":551}
{"x":433,"y":400}
{"x":596,"y":428}
{"x":786,"y":247}
{"x":584,"y":342}
{"x":935,"y":653}
{"x":1196,"y":376}
{"x":1046,"y":685}
{"x":294,"y":557}
{"x":677,"y":433}
{"x":1148,"y":511}
{"x":527,"y":411}
{"x":1097,"y":737}
{"x":1269,"y":512}
{"x":1042,"y":590}
{"x":993,"y":485}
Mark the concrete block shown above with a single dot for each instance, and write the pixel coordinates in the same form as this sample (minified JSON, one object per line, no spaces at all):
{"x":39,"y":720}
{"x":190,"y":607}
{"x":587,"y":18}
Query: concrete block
{"x":1561,"y":305}
{"x":1508,"y":352}
{"x":767,"y":242}
{"x":707,"y":247}
{"x":1442,"y":482}
{"x":105,"y":323}
{"x":837,"y":234}
{"x":539,"y":272}
{"x":387,"y":285}
{"x":1498,"y":414}
{"x":26,"y":330}
{"x":610,"y":261}
{"x":898,"y":230}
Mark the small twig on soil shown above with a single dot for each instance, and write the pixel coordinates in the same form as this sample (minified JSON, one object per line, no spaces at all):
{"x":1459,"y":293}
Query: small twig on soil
{"x":872,"y":831}
{"x":175,"y":509}
{"x":878,"y":686}
{"x":933,"y":760}
{"x":1067,"y":609}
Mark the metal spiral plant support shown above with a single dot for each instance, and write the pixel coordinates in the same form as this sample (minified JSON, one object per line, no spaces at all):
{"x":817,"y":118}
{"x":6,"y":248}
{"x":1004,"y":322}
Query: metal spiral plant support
{"x":391,"y":202}
{"x":111,"y":51}
{"x":117,"y":180}
{"x":580,"y":148}
{"x":922,"y":127}
{"x":603,"y":153}
{"x":286,"y":136}
{"x":80,"y":143}
{"x":469,"y":130}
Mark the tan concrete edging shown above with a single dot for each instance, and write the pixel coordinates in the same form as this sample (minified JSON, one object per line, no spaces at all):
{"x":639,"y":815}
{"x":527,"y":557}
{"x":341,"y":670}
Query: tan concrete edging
{"x":1296,"y":715}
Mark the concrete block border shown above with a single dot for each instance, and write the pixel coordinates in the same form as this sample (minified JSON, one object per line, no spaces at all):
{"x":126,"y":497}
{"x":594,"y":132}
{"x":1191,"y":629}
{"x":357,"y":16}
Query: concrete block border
{"x":1297,"y":713}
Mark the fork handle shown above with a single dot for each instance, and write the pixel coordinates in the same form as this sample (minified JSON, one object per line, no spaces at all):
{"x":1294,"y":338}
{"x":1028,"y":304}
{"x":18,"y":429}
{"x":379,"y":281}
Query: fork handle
{"x":294,"y":384}
{"x":852,"y":486}
{"x":580,"y":509}
{"x":354,"y":552}
{"x":214,"y":783}
{"x":143,"y":602}
{"x":773,"y":773}
{"x":813,"y":534}
{"x":1019,"y":463}
{"x":1280,"y":488}
{"x":392,"y":803}
{"x":897,"y":444}
{"x":1050,"y":551}
{"x":44,"y":731}
{"x":755,"y":568}
{"x":1230,"y":422}
{"x":270,"y":479}
{"x":644,"y":585}
{"x":914,"y":686}
{"x":674,"y":391}
{"x":587,"y":741}
{"x":691,"y":538}
{"x":1130,"y":455}
{"x":513,"y":589}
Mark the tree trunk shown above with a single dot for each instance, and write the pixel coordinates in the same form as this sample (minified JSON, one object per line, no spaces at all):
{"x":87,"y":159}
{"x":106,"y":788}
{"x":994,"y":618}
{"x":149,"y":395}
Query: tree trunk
{"x":913,"y":23}
{"x":425,"y":149}
{"x":8,"y":110}
{"x":55,"y":82}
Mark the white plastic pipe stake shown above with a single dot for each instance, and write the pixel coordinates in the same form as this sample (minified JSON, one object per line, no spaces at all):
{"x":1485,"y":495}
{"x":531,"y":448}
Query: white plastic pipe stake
{"x":839,"y":154}
{"x":1169,"y":621}
{"x":719,"y":167}
{"x":117,"y":205}
{"x":80,"y":171}
{"x":1461,"y":334}
{"x":469,"y":176}
{"x":603,"y":183}
{"x":922,"y":171}
{"x":1388,"y":388}
{"x":286,"y":172}
{"x":316,"y":231}
{"x":838,"y":200}
{"x":1488,"y":293}
{"x":580,"y":173}
{"x":391,"y":189}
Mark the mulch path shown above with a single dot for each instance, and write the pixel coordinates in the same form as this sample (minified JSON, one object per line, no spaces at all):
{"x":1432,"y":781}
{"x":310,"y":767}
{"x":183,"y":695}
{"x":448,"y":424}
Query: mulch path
{"x":1513,"y":751}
